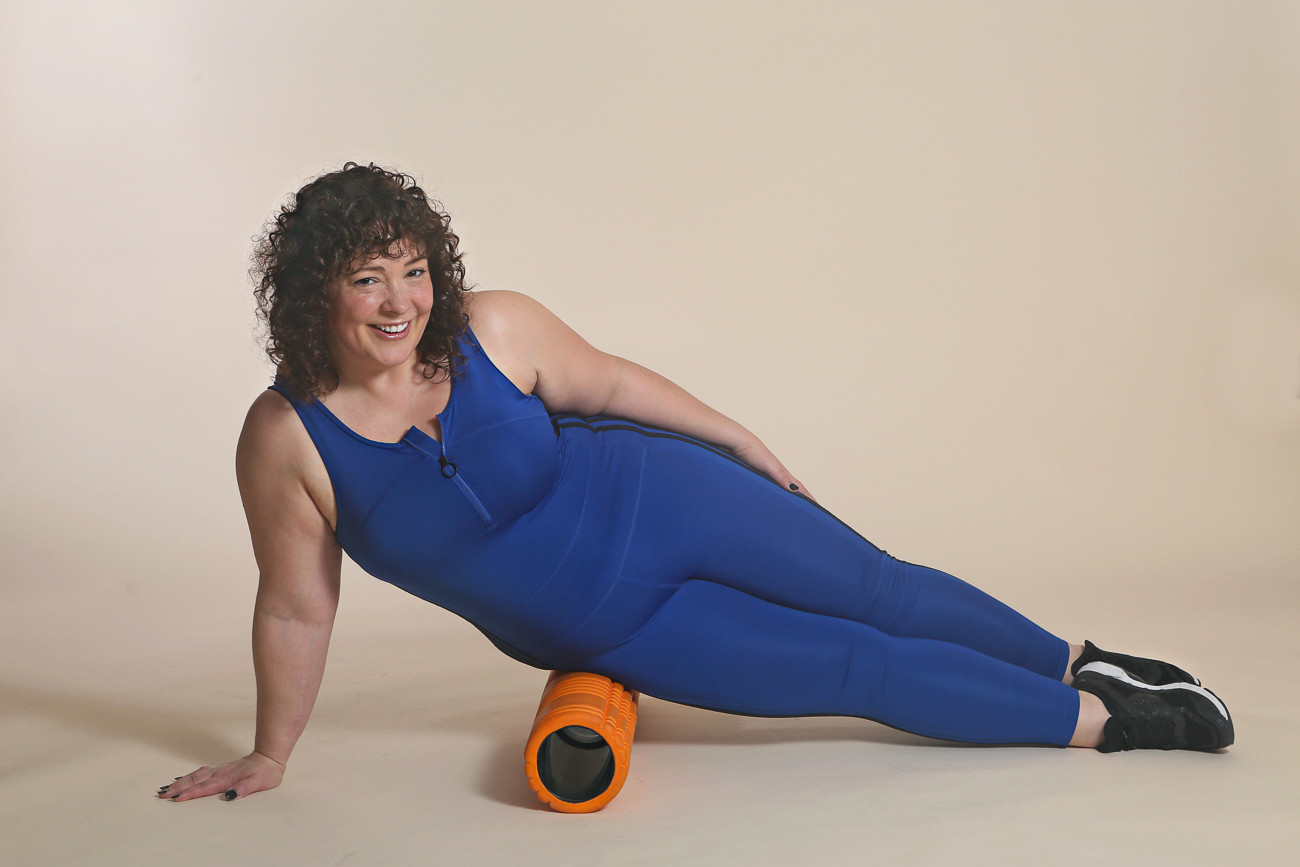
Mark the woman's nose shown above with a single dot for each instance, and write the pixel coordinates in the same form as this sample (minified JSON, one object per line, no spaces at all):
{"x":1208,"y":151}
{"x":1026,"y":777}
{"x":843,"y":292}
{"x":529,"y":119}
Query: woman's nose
{"x":397,"y":299}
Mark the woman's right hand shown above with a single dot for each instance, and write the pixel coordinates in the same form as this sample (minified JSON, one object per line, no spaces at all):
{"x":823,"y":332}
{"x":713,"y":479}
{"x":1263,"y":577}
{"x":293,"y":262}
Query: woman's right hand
{"x":253,"y":773}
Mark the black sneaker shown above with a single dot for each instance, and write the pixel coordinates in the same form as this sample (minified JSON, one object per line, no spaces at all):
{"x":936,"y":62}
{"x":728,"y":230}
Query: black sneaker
{"x":1151,"y":671}
{"x":1144,"y":716}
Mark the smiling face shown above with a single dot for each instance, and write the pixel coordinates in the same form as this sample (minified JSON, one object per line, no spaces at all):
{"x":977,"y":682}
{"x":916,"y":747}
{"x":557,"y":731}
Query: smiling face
{"x":378,"y":311}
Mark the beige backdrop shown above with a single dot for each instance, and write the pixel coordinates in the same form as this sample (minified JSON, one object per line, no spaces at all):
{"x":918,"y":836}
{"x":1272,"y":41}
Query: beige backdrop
{"x":1013,"y":287}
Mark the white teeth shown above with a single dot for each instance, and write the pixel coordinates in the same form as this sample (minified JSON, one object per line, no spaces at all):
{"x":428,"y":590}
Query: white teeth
{"x":393,"y":329}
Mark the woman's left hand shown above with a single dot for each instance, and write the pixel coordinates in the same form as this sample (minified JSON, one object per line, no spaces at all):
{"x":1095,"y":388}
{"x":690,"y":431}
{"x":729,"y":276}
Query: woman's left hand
{"x":760,"y":457}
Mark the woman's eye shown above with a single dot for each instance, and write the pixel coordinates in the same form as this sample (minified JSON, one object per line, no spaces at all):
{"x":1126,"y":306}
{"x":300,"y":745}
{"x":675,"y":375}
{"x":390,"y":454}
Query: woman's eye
{"x":417,"y":272}
{"x":365,"y":281}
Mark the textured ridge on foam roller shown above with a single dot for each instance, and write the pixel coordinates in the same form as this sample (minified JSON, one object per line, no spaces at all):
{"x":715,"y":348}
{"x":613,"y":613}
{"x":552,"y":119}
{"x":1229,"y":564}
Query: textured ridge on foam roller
{"x":594,"y":701}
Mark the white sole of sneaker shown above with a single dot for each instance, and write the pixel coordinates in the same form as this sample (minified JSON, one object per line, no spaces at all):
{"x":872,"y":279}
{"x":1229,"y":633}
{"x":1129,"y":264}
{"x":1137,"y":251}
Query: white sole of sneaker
{"x":1117,"y":673}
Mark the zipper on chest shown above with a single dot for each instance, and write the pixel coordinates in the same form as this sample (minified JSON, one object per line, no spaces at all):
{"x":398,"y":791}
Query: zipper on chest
{"x":450,"y":471}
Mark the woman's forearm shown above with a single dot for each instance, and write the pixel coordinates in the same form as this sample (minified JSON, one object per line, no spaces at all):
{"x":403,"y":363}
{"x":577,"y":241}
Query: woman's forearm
{"x":644,"y":396}
{"x":289,"y":662}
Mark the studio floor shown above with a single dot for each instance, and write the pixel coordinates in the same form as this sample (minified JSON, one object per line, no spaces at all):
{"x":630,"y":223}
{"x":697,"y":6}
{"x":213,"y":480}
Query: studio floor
{"x":414,"y":754}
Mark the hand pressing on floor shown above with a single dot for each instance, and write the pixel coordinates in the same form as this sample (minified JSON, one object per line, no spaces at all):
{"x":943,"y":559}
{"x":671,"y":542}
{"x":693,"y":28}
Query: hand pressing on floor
{"x":253,"y":773}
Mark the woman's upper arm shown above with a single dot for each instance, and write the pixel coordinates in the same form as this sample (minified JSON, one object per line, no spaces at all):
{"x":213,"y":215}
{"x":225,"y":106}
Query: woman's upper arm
{"x":298,"y":558}
{"x":570,"y":375}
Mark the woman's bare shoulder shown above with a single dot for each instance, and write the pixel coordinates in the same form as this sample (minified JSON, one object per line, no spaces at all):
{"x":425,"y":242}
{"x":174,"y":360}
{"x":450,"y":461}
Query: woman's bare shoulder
{"x":276,"y":462}
{"x":498,"y":310}
{"x":271,"y":416}
{"x":273,"y":438}
{"x":508,"y":325}
{"x":512,"y":320}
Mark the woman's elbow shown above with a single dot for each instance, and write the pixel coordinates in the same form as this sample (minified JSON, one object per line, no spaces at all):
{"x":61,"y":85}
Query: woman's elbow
{"x":303,"y":609}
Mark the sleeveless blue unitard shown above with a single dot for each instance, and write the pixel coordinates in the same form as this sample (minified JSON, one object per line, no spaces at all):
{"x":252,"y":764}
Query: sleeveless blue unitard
{"x":664,"y":562}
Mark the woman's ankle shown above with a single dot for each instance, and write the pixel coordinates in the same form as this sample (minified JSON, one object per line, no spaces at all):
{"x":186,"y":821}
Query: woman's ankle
{"x":1089,"y":731}
{"x":1076,"y":650}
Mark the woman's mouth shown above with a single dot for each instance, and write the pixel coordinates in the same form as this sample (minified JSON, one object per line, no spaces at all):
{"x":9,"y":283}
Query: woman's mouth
{"x":393,"y":332}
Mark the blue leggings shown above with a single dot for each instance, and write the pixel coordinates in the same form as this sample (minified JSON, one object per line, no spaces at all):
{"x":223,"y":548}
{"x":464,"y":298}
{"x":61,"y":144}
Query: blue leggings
{"x":759,"y":601}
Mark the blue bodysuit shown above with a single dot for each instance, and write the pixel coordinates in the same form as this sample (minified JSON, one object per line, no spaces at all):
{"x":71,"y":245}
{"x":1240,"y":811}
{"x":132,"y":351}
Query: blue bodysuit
{"x":664,"y":562}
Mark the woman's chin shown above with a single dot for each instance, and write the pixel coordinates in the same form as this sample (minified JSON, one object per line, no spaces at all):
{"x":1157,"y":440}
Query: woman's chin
{"x":385,"y":358}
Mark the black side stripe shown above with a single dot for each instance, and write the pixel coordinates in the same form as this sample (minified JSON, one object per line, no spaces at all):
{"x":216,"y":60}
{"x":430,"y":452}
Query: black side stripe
{"x":603,"y":423}
{"x":614,"y":423}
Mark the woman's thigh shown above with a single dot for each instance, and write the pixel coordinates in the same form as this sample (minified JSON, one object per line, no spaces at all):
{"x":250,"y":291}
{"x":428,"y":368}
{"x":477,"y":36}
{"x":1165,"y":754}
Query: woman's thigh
{"x":716,"y":647}
{"x":704,"y":516}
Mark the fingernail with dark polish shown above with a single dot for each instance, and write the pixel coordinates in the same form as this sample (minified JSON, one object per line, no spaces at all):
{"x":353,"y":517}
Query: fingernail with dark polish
{"x":793,"y":486}
{"x":230,"y":794}
{"x":175,"y":796}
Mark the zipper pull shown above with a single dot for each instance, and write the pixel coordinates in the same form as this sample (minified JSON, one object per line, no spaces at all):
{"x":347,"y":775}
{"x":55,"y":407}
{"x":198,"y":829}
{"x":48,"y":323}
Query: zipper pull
{"x":443,"y":463}
{"x":442,"y":459}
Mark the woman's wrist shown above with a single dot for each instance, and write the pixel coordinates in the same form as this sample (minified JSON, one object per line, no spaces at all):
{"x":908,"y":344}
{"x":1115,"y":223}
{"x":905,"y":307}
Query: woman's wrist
{"x":743,"y":441}
{"x":283,"y":765}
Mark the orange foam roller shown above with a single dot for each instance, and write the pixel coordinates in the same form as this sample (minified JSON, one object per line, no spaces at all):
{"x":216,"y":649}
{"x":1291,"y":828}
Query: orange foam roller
{"x":580,"y":747}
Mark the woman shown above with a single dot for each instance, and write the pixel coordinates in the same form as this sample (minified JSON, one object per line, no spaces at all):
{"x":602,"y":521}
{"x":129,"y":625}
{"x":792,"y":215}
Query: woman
{"x":588,"y":514}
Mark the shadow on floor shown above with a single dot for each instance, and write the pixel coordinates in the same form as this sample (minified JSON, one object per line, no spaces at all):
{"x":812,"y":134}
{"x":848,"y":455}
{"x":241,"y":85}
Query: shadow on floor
{"x":178,"y":732}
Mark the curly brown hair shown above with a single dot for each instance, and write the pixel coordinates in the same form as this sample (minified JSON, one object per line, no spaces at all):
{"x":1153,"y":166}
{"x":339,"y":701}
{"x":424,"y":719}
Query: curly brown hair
{"x":356,"y":213}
